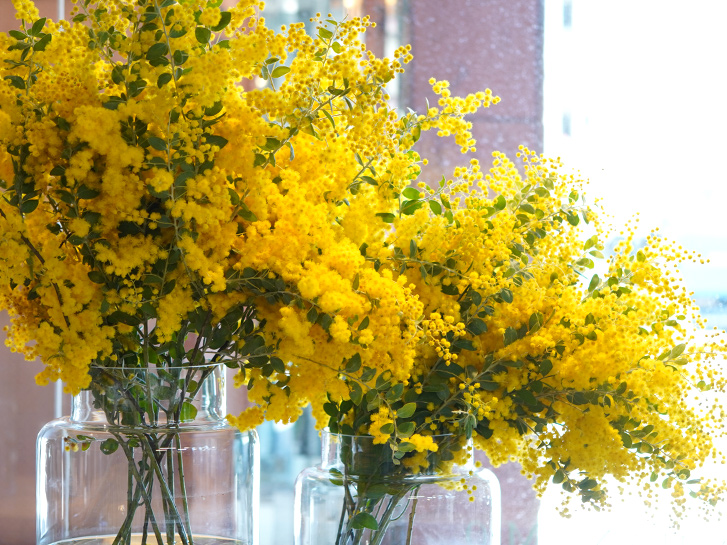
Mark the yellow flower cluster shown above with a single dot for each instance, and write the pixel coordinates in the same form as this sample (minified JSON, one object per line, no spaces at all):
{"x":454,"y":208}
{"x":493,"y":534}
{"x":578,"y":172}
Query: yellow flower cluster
{"x":212,"y":189}
{"x":523,"y":347}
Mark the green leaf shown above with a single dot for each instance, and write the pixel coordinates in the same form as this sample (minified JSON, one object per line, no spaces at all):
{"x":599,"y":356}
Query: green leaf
{"x":526,"y":397}
{"x":356,"y":393}
{"x":271,"y":144}
{"x":117,"y":317}
{"x":595,"y":282}
{"x":330,"y":409}
{"x":510,"y":336}
{"x":41,"y":44}
{"x":411,"y":193}
{"x":278,"y":365}
{"x":157,"y":51}
{"x":109,"y":446}
{"x":546,"y":366}
{"x":536,"y":321}
{"x":16,"y":81}
{"x":245,"y":213}
{"x":163,"y":79}
{"x":85,"y":192}
{"x":225,"y":18}
{"x":383,"y":381}
{"x":404,"y":448}
{"x":180,"y":57}
{"x":234,"y":197}
{"x":330,"y":118}
{"x":325,"y":321}
{"x":477,"y":326}
{"x":177,"y":32}
{"x":387,"y":429}
{"x":407,"y":429}
{"x":367,"y":374}
{"x":506,"y":295}
{"x":157,"y":143}
{"x":188,"y":413}
{"x":364,"y":324}
{"x":29,"y":206}
{"x":406,"y":411}
{"x":412,"y":249}
{"x":37,"y":27}
{"x":394,"y":393}
{"x":96,"y":277}
{"x":463,"y":344}
{"x":585,"y":262}
{"x":202,"y":34}
{"x":363,"y":520}
{"x":435,"y":207}
{"x":572,"y":218}
{"x":215,"y":140}
{"x":325,"y":34}
{"x":280,"y":71}
{"x":677,"y":351}
{"x":386,"y":217}
{"x":411,"y":206}
{"x":354,"y":363}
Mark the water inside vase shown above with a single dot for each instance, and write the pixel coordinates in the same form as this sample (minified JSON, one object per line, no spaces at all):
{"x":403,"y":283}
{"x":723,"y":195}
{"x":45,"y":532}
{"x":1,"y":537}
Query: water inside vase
{"x":136,"y":539}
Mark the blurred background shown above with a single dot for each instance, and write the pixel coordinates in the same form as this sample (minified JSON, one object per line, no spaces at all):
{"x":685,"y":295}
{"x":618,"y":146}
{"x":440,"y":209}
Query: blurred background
{"x":628,"y":93}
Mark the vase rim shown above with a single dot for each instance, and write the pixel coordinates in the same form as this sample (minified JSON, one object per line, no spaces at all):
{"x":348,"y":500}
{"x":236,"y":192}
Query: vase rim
{"x":154,"y":367}
{"x":366,"y":436}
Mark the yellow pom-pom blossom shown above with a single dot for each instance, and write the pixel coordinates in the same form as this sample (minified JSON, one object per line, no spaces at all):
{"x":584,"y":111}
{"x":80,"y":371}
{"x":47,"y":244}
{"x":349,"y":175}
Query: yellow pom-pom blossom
{"x":182,"y":184}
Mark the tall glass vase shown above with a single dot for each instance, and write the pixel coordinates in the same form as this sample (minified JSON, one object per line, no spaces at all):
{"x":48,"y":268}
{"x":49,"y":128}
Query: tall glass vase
{"x":359,"y":496}
{"x":146,"y":458}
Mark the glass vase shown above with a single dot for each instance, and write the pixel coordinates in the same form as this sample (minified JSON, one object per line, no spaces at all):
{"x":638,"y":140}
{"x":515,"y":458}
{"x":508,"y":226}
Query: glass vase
{"x":146,"y":457}
{"x":359,"y":495}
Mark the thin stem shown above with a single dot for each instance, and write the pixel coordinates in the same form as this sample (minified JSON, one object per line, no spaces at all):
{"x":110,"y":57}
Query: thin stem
{"x":145,"y":531}
{"x":150,"y":399}
{"x":170,"y":499}
{"x":344,"y":511}
{"x":130,"y":503}
{"x":125,"y":529}
{"x":183,"y":487}
{"x":380,"y":533}
{"x":410,"y":529}
{"x":167,"y":494}
{"x":147,"y":499}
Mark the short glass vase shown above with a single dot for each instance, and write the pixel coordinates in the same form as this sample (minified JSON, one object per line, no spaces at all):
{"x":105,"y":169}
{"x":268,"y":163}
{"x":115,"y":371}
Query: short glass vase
{"x":147,"y":458}
{"x":358,"y":495}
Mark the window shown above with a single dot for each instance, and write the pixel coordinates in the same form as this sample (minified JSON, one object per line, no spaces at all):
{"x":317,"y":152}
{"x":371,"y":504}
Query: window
{"x":642,"y":85}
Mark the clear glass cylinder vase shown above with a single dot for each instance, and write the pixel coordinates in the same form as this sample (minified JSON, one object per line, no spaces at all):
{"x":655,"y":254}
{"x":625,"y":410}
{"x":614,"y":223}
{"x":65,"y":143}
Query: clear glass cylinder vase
{"x":146,"y":457}
{"x":359,"y":495}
